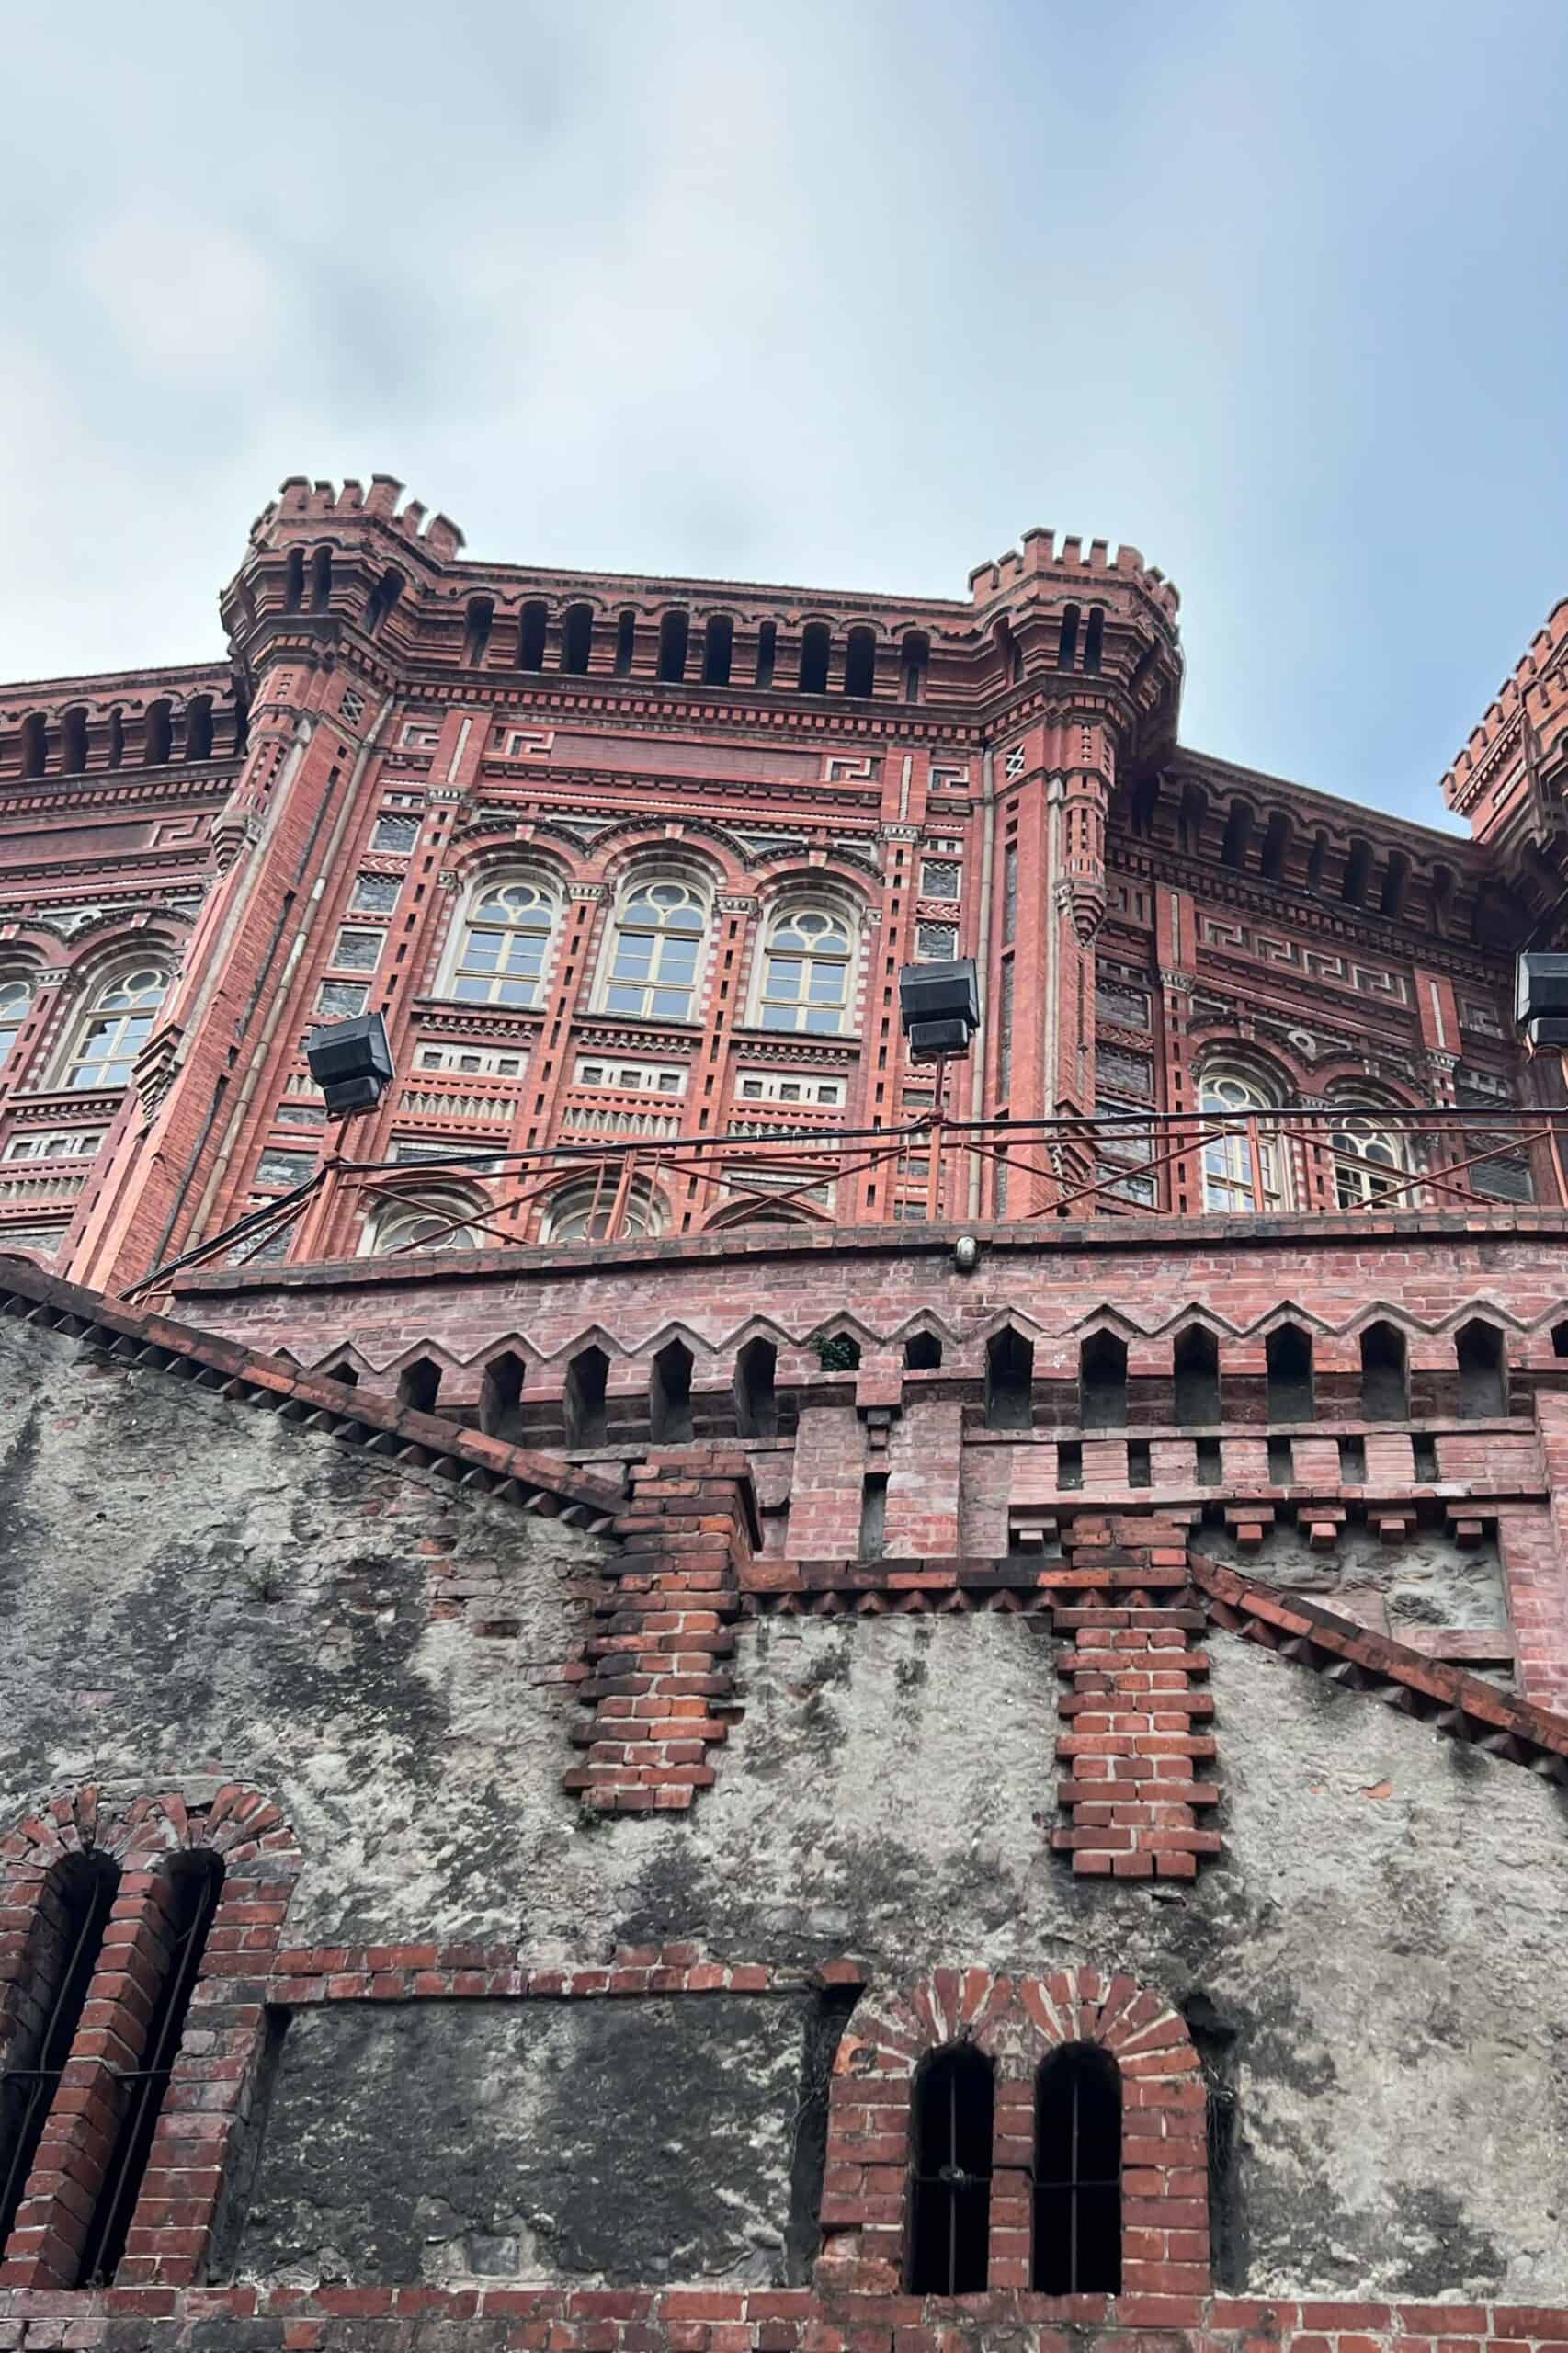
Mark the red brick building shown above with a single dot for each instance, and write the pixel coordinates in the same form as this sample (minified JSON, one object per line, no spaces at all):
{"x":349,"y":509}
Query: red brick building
{"x":666,"y":1321}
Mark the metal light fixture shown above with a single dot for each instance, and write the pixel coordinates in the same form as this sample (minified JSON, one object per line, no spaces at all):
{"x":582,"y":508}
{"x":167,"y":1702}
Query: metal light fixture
{"x":351,"y":1063}
{"x":939,"y":1006}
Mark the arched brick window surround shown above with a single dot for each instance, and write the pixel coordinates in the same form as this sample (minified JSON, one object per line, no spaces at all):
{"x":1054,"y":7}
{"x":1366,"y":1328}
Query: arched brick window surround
{"x":1016,"y":2021}
{"x":209,"y":2090}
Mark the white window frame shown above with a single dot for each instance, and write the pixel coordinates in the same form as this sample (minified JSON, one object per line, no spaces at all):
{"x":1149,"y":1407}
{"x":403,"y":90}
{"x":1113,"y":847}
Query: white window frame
{"x":784,"y":915}
{"x":125,"y":1027}
{"x":1228,"y":1185}
{"x":471,"y":1061}
{"x":768,"y":1086}
{"x":393,"y":1224}
{"x":529,"y":945}
{"x":664,"y":956}
{"x":15,"y":1004}
{"x":59,"y":1143}
{"x":630,"y":1078}
{"x":592,"y":1199}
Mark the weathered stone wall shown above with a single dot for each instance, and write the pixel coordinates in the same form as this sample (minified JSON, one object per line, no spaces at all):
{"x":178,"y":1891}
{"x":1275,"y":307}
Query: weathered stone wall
{"x":1372,"y":1969}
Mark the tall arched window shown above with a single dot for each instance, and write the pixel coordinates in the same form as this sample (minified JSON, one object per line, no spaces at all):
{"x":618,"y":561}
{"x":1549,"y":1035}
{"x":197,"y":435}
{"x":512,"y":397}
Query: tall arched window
{"x":805,"y":975}
{"x":658,"y":938}
{"x":1077,"y":2174}
{"x":1370,"y":1158}
{"x":115,"y":1026}
{"x":584,"y":1212}
{"x":61,"y":1950}
{"x":950,"y":2213}
{"x":506,"y":939}
{"x":1241,"y":1165}
{"x":15,"y":998}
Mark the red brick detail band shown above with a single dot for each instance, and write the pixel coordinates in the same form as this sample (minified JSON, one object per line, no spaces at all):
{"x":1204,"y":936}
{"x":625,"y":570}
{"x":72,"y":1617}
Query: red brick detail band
{"x":1131,"y":1746}
{"x":1017,"y":2022}
{"x":211,"y":2078}
{"x":659,"y":1678}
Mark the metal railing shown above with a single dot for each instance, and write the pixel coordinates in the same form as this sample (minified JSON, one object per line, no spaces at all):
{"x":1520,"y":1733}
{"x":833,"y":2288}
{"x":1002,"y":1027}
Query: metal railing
{"x":1309,"y":1161}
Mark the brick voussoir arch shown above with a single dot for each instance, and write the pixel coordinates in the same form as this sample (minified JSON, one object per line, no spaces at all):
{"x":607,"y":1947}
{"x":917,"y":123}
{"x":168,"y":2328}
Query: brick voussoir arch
{"x":209,"y":2085}
{"x":1017,"y":2022}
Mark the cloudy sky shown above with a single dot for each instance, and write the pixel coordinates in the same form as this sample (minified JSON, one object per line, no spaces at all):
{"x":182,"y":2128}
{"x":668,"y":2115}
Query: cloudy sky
{"x":843,"y":291}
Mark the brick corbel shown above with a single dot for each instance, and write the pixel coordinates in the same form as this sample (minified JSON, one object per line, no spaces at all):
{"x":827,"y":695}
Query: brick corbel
{"x":659,"y":1679}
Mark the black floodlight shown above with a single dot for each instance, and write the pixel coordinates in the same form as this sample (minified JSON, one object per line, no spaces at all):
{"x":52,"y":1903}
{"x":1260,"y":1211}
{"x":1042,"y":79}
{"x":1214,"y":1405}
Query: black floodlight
{"x":1540,"y":998}
{"x":351,"y":1063}
{"x":939,"y":1005}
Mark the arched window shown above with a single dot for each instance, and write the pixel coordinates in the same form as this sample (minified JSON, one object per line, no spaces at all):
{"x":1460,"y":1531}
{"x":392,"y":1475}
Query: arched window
{"x":1093,"y":638}
{"x":15,"y":998}
{"x":669,"y":1395}
{"x":914,"y":657}
{"x":115,"y":1026}
{"x":950,"y":2207}
{"x":294,"y":580}
{"x":61,"y":1950}
{"x":433,"y":1222}
{"x":383,"y":596}
{"x":1067,"y":644}
{"x":816,"y":643}
{"x":577,"y":639}
{"x":476,"y":631}
{"x":73,"y":741}
{"x":532,"y":623}
{"x":658,"y":938}
{"x":1241,"y":1165}
{"x":584,"y":1403}
{"x":1369,"y":1159}
{"x":757,"y":1401}
{"x":157,"y":734}
{"x":861,"y":662}
{"x":506,"y":939}
{"x":1102,"y":1382}
{"x":1009,"y":1380}
{"x":717,"y":650}
{"x":320,"y":581}
{"x":1077,"y":2174}
{"x":198,"y":728}
{"x":675,"y":637}
{"x":584,"y":1212}
{"x":805,"y":976}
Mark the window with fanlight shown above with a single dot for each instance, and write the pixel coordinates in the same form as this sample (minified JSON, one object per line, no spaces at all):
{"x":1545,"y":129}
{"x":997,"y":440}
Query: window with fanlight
{"x":1242,"y":1171}
{"x":805,"y":976}
{"x":114,"y":1026}
{"x":506,"y":939}
{"x":1370,"y":1157}
{"x":589,"y":1211}
{"x":15,"y":996}
{"x":655,"y":951}
{"x":432,"y":1220}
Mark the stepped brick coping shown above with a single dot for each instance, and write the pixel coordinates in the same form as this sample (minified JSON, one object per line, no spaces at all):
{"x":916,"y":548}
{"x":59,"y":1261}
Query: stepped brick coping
{"x":546,"y":1483}
{"x":1466,"y":1706}
{"x":764,"y":2320}
{"x":1118,"y":1235}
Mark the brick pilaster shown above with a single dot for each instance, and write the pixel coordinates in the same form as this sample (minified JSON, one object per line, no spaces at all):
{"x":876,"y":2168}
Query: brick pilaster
{"x":659,"y":1673}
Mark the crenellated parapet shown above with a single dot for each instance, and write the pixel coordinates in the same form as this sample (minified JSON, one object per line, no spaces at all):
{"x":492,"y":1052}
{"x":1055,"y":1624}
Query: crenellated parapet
{"x":1511,"y":782}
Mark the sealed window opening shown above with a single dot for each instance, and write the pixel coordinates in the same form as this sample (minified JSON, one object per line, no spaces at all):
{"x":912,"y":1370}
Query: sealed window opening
{"x":1237,"y":836}
{"x":321,"y":580}
{"x":718,"y":649}
{"x":73,"y":743}
{"x":625,"y":644}
{"x":1197,"y":1383}
{"x":1357,"y":873}
{"x":476,"y":631}
{"x":1484,"y":1384}
{"x":578,"y":640}
{"x":1276,"y":846}
{"x":157,"y":734}
{"x":199,"y":729}
{"x":1093,"y":639}
{"x":533,"y":623}
{"x":1102,"y":1382}
{"x":1282,"y":1462}
{"x":1396,"y":882}
{"x":873,"y":1515}
{"x":1288,"y":1353}
{"x":861,"y":662}
{"x":669,"y":1395}
{"x":1077,"y":2174}
{"x":922,"y":1352}
{"x":1139,"y":1471}
{"x":584,"y":1401}
{"x":419,"y":1385}
{"x":950,"y":2207}
{"x":58,"y":1960}
{"x":815,"y":643}
{"x":757,"y":1401}
{"x":767,"y":652}
{"x":383,"y":596}
{"x":1067,"y":643}
{"x":294,"y":580}
{"x":675,"y":636}
{"x":191,"y":1898}
{"x":501,"y":1396}
{"x":1385,"y":1384}
{"x":915,"y":660}
{"x":1009,"y":1380}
